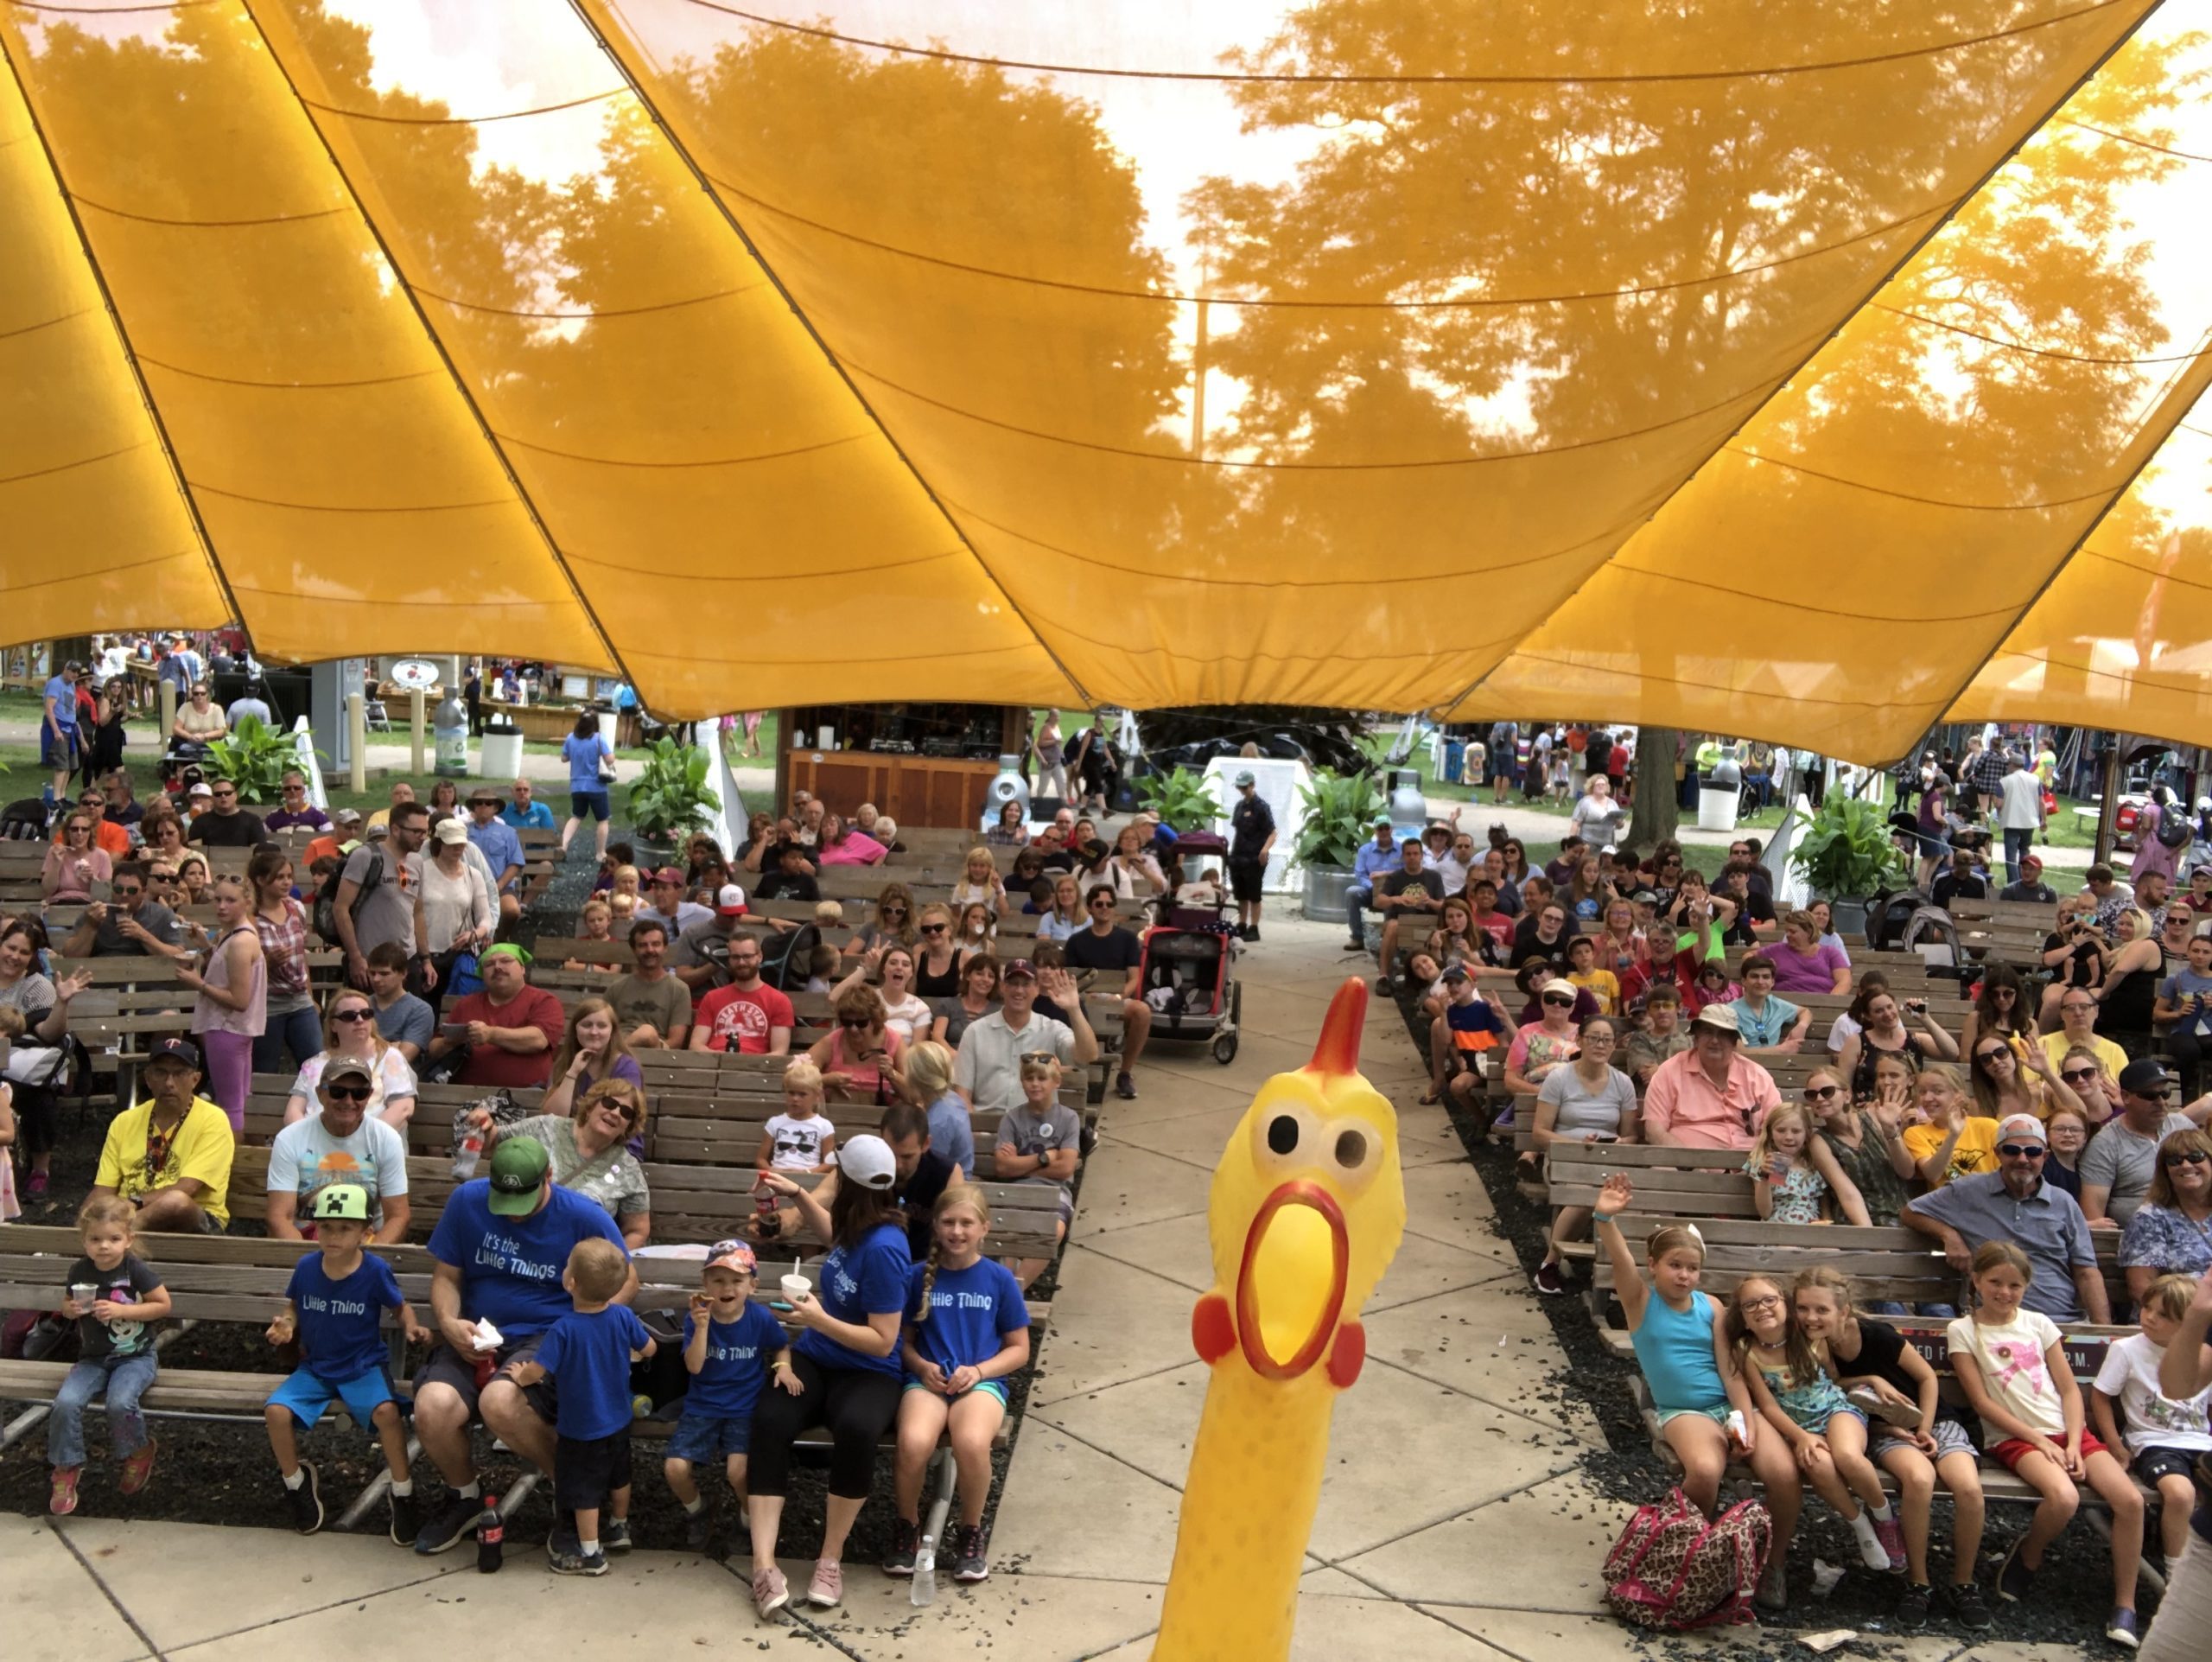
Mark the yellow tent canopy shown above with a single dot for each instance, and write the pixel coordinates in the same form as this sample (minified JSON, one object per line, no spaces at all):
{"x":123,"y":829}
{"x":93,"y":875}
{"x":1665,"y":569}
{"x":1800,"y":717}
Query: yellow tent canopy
{"x":1809,"y":372}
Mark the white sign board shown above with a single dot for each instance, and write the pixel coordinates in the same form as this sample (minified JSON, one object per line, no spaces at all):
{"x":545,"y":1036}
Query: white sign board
{"x":416,"y":674}
{"x":1278,"y":783}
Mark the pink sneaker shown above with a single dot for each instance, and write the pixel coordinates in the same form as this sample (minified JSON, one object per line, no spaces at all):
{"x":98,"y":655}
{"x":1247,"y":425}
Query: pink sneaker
{"x":137,"y":1467}
{"x":1892,"y":1536}
{"x":770,"y":1591}
{"x":61,"y":1500}
{"x":827,"y":1590}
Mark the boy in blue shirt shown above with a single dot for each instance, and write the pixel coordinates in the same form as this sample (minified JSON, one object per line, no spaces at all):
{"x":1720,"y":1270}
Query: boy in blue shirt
{"x":333,"y":1308}
{"x":727,"y":1339}
{"x":587,"y":1355}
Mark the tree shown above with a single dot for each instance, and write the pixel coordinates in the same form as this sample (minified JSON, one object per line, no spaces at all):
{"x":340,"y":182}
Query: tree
{"x":1658,"y":811}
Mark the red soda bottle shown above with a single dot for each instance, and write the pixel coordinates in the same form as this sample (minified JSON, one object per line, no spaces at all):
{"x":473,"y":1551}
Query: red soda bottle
{"x":491,"y":1532}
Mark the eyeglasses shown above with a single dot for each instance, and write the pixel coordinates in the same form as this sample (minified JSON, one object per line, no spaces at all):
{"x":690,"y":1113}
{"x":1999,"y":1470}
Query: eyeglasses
{"x":349,"y":1016}
{"x":1764,"y":1301}
{"x":1823,"y":1092}
{"x":296,"y":790}
{"x":347,"y":1092}
{"x":2021,"y":1151}
{"x":2187,"y":1158}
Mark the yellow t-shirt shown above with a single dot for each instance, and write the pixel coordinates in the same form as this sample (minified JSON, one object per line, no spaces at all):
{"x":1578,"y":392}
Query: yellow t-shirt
{"x":1976,"y":1150}
{"x":200,"y":1149}
{"x":1604,"y":986}
{"x":2056,"y":1045}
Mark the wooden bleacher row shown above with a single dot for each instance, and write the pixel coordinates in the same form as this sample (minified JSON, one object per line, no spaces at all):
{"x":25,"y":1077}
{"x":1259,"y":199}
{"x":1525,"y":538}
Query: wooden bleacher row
{"x":225,"y":1278}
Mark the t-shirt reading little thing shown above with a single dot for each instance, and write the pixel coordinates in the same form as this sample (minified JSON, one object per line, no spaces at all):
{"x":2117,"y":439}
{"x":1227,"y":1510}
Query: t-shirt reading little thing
{"x":587,"y":1355}
{"x":855,"y":1284}
{"x":511,"y":1268}
{"x":341,"y":1338}
{"x":971,"y":1312}
{"x":729,"y":1382}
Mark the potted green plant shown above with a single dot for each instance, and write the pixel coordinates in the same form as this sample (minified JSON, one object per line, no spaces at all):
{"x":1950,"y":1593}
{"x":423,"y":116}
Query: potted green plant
{"x":1183,"y":800}
{"x":254,"y":756}
{"x":1340,"y":811}
{"x":1845,"y":854}
{"x":670,"y":798}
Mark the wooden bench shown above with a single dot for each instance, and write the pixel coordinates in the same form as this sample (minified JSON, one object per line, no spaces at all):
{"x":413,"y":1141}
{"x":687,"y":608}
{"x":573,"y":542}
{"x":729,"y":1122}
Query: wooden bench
{"x":224,"y":1278}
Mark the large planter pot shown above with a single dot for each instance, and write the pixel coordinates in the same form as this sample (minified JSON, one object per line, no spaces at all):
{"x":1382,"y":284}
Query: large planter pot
{"x":1849,"y":914}
{"x":1325,"y":893}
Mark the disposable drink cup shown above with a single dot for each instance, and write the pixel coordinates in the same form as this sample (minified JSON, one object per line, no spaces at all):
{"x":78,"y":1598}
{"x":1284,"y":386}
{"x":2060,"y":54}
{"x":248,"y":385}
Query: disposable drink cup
{"x":83,"y":1292}
{"x":796,"y":1288}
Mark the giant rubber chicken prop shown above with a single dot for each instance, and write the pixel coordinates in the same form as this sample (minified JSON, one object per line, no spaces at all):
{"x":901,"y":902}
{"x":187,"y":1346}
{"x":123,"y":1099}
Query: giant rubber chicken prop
{"x":1306,"y":1210}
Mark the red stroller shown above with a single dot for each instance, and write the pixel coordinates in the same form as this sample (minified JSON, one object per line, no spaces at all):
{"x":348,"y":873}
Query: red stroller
{"x":1188,"y":975}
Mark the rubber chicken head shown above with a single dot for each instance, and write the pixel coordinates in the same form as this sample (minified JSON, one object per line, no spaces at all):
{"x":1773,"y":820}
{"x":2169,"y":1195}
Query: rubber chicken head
{"x":1308,"y":1203}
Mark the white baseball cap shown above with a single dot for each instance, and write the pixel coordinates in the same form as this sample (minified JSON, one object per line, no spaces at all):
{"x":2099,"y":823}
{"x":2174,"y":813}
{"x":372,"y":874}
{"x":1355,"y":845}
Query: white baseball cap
{"x":729,"y":901}
{"x":868,"y":1161}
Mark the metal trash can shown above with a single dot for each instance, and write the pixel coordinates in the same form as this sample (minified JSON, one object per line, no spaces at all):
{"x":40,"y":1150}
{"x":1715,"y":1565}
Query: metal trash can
{"x":499,"y":754}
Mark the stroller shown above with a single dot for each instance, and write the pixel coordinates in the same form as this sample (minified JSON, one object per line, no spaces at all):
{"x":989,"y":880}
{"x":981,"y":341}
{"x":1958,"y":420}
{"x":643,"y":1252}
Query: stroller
{"x":1187,"y":974}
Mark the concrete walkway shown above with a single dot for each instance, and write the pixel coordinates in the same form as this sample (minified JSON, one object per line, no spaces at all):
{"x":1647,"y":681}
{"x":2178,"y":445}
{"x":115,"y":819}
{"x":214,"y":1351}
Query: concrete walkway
{"x":1452,"y":1525}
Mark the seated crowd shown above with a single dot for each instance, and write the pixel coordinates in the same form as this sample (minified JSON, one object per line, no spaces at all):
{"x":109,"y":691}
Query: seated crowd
{"x":937,"y":1028}
{"x":2011,"y":1149}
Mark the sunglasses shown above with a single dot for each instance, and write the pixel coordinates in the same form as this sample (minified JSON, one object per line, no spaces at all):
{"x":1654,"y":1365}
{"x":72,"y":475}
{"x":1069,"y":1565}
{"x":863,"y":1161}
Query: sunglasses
{"x":1561,"y":1004}
{"x":350,"y":1016}
{"x":1029,"y":1057}
{"x":933,"y":928}
{"x":2078,"y":1075}
{"x":1821,"y":1093}
{"x":2187,"y":1158}
{"x":1989,"y":1055}
{"x":347,"y":1092}
{"x":2022,"y":1151}
{"x":124,"y":892}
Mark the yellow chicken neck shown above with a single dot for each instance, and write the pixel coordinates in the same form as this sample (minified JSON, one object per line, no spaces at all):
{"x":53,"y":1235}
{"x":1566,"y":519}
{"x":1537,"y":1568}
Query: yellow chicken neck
{"x":1248,"y":1511}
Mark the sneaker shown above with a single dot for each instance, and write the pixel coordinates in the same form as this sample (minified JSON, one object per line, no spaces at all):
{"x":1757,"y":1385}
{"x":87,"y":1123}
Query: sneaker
{"x":1969,"y":1608}
{"x":2124,"y":1627}
{"x":1912,"y":1609}
{"x":1549,"y":1282}
{"x":1251,"y":932}
{"x":769,"y":1592}
{"x":578,"y":1563}
{"x":2015,"y":1580}
{"x":138,"y":1467}
{"x":615,"y":1537}
{"x":34,"y":1186}
{"x":970,"y":1554}
{"x":450,"y":1524}
{"x":305,"y":1501}
{"x":699,"y":1529}
{"x":905,"y":1544}
{"x":1125,"y":1085}
{"x":827,"y":1590}
{"x":1355,"y":947}
{"x":1892,"y":1536}
{"x":61,"y":1500}
{"x":1773,"y":1591}
{"x":406,"y":1520}
{"x":562,"y":1542}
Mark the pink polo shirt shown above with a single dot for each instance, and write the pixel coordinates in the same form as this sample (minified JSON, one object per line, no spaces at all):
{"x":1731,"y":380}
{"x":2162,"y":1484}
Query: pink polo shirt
{"x":1681,"y":1101}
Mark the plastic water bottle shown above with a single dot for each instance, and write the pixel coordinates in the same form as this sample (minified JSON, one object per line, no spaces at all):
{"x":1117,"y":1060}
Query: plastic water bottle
{"x":923,"y":1590}
{"x":467,"y":1149}
{"x":491,"y":1534}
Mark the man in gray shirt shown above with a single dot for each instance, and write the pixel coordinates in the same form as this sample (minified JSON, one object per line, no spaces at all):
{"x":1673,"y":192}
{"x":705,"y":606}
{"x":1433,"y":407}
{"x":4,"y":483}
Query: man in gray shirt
{"x":2121,"y":1159}
{"x":377,"y":891}
{"x":988,"y":1070}
{"x":2014,"y":1204}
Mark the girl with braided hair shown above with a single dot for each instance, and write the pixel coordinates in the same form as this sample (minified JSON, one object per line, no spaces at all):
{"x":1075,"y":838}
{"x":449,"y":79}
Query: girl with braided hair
{"x":966,"y":1330}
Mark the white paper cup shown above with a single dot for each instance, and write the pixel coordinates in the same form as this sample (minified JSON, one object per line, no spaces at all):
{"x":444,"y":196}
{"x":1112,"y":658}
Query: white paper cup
{"x":796,"y":1288}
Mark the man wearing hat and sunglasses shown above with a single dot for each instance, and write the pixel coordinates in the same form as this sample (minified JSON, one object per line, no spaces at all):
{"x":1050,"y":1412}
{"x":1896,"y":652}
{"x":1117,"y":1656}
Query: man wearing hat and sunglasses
{"x":170,"y":1155}
{"x":501,"y":1247}
{"x":2014,"y":1204}
{"x":1712,"y":1095}
{"x":341,"y":1143}
{"x":2123,"y":1156}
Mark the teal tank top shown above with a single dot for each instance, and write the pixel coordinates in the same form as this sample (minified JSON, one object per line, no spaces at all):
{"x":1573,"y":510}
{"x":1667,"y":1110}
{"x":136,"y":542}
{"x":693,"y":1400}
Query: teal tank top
{"x":1674,"y":1349}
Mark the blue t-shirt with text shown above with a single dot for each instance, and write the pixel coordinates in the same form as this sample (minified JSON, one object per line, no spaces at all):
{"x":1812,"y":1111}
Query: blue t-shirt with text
{"x":511,"y":1268}
{"x":971,"y":1312}
{"x":729,"y":1382}
{"x":588,"y":1358}
{"x":340,"y":1335}
{"x":854,"y":1283}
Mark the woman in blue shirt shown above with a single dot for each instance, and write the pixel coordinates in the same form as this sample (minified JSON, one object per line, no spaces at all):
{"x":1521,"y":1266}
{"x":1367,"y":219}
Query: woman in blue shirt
{"x":848,"y":1363}
{"x":583,"y":750}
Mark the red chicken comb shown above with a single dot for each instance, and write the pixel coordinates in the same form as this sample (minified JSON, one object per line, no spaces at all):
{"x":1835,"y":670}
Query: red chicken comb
{"x":1337,"y":1051}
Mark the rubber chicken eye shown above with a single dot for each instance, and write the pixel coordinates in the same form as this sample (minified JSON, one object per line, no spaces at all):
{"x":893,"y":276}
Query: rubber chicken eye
{"x":1288,"y":1139}
{"x":1351,"y":1149}
{"x":1282,"y":1133}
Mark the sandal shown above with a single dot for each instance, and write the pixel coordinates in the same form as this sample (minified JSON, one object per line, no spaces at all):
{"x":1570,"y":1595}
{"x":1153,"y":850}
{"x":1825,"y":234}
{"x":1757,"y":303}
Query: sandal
{"x":1431,"y":1099}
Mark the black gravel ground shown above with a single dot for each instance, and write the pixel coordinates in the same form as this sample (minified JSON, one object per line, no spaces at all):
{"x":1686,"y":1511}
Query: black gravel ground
{"x":222,"y":1472}
{"x":2073,"y":1594}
